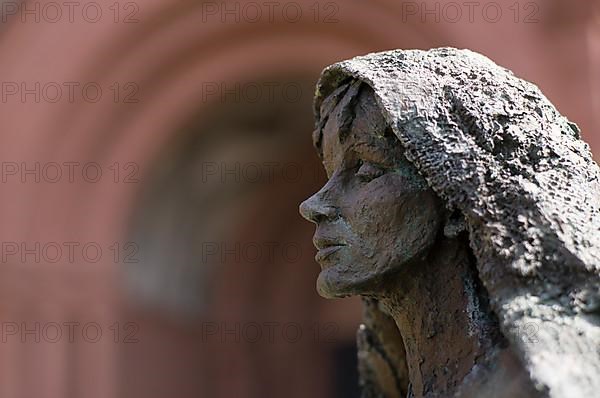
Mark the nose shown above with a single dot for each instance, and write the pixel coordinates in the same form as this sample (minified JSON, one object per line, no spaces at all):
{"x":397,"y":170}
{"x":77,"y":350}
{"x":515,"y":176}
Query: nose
{"x":315,"y":210}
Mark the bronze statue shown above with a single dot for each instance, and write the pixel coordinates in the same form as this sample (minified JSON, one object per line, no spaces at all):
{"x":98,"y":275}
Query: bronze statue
{"x":466,"y":211}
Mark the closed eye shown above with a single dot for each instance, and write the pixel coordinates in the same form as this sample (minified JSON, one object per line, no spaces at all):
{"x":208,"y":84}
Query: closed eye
{"x":368,"y":171}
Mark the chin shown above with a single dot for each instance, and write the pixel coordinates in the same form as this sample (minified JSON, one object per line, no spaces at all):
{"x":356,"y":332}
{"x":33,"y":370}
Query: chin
{"x":333,"y":284}
{"x":330,"y":285}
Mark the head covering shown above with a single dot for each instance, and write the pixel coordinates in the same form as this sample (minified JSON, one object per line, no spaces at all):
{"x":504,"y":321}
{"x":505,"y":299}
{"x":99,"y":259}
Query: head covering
{"x":492,"y":146}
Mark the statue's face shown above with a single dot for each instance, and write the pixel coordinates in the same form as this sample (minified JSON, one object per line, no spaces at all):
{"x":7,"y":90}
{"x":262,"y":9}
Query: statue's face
{"x":376,"y":214}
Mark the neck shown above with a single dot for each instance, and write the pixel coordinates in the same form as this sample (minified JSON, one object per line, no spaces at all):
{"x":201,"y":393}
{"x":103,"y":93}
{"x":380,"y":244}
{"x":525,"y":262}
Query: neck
{"x":444,"y":322}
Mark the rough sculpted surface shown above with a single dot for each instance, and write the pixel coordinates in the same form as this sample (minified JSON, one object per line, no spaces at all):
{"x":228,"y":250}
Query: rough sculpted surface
{"x":494,"y":148}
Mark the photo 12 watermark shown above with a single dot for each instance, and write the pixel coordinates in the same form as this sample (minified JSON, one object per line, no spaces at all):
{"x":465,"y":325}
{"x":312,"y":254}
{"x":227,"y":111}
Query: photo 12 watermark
{"x":68,"y":331}
{"x":270,"y":12}
{"x":251,"y":92}
{"x":53,"y":12}
{"x":269,"y":332}
{"x":266,"y":252}
{"x":52,"y":92}
{"x":266,"y":172}
{"x":71,"y":252}
{"x":470,"y":12}
{"x":68,"y":172}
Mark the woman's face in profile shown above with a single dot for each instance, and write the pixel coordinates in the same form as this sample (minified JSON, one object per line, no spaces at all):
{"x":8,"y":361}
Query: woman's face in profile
{"x":375,"y":214}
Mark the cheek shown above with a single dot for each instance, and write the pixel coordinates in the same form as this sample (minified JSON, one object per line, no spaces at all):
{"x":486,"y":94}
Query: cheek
{"x":416,"y":224}
{"x":388,"y":217}
{"x":377,"y":208}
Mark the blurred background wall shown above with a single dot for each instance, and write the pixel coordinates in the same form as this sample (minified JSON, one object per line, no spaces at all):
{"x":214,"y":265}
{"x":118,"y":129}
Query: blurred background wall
{"x":153,"y":155}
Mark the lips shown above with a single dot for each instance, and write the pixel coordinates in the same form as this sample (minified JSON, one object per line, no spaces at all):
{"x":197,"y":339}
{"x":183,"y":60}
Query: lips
{"x":322,"y":254}
{"x":326,"y":247}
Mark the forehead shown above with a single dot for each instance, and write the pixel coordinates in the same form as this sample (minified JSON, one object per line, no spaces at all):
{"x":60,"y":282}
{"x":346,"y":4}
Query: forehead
{"x":356,"y":120}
